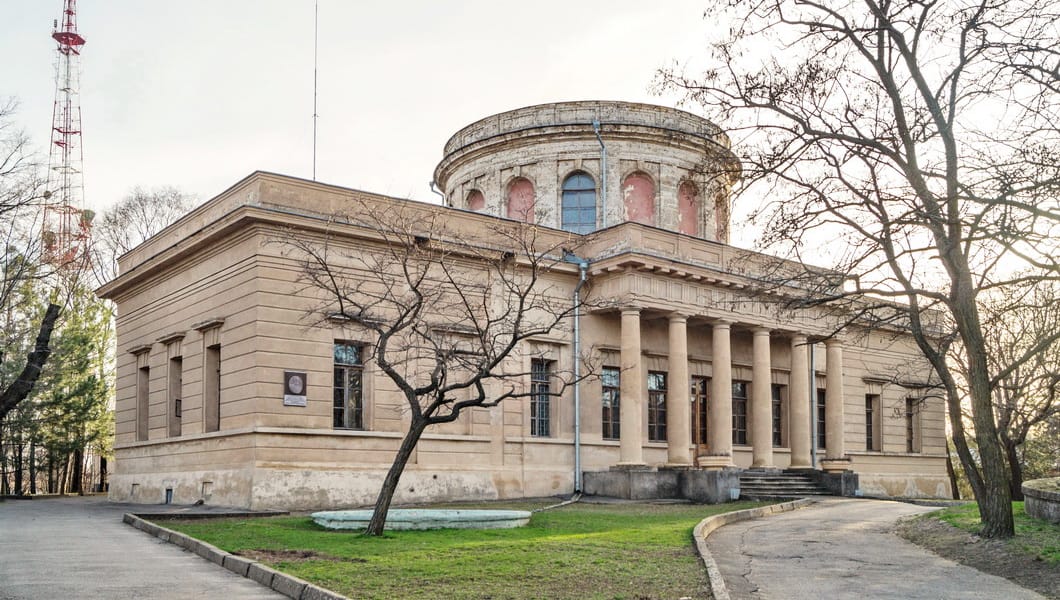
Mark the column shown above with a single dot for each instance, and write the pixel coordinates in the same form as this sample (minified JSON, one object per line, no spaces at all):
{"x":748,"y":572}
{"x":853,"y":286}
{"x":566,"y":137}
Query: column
{"x":833,"y":400}
{"x":678,"y":404}
{"x":631,"y":401}
{"x":761,"y":401}
{"x":720,"y":423}
{"x":799,"y":404}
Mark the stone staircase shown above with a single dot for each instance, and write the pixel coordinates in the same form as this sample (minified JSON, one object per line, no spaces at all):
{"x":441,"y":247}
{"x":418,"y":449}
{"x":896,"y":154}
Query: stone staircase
{"x":757,"y":484}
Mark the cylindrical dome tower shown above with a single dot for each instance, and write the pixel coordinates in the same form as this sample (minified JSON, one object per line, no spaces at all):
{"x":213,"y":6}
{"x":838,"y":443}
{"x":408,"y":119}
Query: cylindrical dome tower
{"x":661,"y":166}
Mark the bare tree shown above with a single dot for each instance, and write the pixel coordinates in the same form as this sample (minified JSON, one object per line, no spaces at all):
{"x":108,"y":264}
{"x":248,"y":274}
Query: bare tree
{"x":1028,"y":395}
{"x":917,"y":144}
{"x":21,"y":194}
{"x":449,"y":313}
{"x":133,"y":219}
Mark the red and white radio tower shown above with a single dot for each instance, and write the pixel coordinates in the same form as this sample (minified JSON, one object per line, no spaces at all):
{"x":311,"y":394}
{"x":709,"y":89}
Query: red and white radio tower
{"x":66,"y":223}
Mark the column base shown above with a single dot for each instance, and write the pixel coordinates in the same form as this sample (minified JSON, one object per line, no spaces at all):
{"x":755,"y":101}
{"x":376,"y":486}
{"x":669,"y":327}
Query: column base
{"x":722,"y":461}
{"x":835,"y":465}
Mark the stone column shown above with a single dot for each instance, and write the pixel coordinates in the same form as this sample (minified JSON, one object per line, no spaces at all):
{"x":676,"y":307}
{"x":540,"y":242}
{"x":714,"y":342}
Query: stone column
{"x":761,"y":401}
{"x":678,"y":405}
{"x":631,"y":401}
{"x":799,"y":404}
{"x":720,"y":422}
{"x":833,"y":401}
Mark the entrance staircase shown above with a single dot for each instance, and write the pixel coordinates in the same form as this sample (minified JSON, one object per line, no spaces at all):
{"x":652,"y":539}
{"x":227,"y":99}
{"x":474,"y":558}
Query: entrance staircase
{"x":758,"y":484}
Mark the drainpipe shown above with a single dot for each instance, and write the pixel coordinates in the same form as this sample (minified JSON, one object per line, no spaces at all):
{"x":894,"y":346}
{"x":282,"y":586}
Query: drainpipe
{"x":813,"y":407}
{"x":583,"y":267}
{"x":603,"y":165}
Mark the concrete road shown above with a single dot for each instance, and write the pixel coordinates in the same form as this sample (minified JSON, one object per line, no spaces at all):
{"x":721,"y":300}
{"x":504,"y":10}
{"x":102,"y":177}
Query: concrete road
{"x":79,"y":548}
{"x":844,"y":548}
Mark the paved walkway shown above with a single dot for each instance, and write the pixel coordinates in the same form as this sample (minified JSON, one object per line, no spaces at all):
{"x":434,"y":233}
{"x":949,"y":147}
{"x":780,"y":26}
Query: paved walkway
{"x":79,"y":548}
{"x":844,"y":548}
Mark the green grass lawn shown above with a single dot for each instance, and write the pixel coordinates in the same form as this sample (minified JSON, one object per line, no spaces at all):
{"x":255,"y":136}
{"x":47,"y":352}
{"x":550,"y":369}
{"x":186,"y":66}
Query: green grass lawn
{"x":615,"y":551}
{"x":1033,"y":536}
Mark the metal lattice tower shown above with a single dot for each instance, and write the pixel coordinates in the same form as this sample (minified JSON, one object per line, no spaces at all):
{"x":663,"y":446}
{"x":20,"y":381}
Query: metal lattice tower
{"x":66,"y":223}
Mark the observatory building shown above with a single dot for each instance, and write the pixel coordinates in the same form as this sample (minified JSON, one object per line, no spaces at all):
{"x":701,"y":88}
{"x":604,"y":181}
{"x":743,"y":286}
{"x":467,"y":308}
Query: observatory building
{"x":704,"y":380}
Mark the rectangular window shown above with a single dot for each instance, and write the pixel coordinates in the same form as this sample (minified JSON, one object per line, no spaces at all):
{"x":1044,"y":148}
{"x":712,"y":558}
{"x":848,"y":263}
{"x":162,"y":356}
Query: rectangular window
{"x":739,"y":412}
{"x":820,"y":418}
{"x":700,"y":394}
{"x":656,"y":406}
{"x":143,"y":388}
{"x":540,"y":397}
{"x":912,"y":425}
{"x":212,"y":389}
{"x":348,"y":411}
{"x":609,"y":403}
{"x":872,"y":425}
{"x":176,"y":366}
{"x":777,"y":391}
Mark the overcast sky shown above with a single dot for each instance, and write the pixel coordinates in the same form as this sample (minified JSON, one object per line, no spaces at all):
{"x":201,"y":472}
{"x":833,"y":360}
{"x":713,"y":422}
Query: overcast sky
{"x":198,"y":94}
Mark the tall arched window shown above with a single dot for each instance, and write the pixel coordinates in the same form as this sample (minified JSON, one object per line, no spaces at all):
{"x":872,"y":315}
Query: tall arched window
{"x":579,"y":203}
{"x":521,"y":200}
{"x":475,"y":200}
{"x":688,"y":209}
{"x":638,"y":194}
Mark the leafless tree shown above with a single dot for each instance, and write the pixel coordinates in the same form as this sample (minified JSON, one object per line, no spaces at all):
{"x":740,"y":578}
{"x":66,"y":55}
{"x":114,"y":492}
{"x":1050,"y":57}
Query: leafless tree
{"x":133,"y":219}
{"x":1028,"y":395}
{"x":21,"y":194}
{"x":449,"y":313}
{"x":916,"y":144}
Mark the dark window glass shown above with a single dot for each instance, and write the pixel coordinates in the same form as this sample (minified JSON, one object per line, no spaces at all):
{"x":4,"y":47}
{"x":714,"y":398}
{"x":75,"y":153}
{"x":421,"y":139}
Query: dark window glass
{"x":579,"y":203}
{"x":910,"y":425}
{"x":609,"y":403}
{"x":700,"y":394}
{"x":778,"y":415}
{"x":656,"y":406}
{"x":348,"y":400}
{"x":871,"y":403}
{"x":739,"y":412}
{"x":540,"y":397}
{"x":820,"y":418}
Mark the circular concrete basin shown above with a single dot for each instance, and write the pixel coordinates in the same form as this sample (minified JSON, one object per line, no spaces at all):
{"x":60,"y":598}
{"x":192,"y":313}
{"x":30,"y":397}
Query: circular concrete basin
{"x":424,"y":518}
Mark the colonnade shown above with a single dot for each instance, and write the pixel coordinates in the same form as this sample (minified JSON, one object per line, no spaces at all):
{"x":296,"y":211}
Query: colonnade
{"x":719,"y":442}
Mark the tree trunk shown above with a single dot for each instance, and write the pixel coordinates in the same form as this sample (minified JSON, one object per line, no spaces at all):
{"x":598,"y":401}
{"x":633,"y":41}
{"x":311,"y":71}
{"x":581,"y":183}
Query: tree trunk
{"x":3,"y":462}
{"x":19,"y":446}
{"x":955,"y":490}
{"x":51,"y":471}
{"x":63,"y":473}
{"x":386,"y":494}
{"x":1014,"y":468}
{"x":77,"y":483}
{"x":33,"y":468}
{"x":21,"y":387}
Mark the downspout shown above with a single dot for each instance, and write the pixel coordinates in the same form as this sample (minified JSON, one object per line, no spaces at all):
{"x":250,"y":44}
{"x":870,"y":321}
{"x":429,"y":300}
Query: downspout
{"x":603,"y":165}
{"x":813,"y":407}
{"x":582,"y":271}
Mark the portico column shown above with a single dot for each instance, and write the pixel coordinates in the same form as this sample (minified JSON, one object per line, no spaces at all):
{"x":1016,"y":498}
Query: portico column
{"x":631,"y":402}
{"x":761,"y":401}
{"x":678,"y":407}
{"x":799,"y":404}
{"x":720,"y":422}
{"x":833,"y":402}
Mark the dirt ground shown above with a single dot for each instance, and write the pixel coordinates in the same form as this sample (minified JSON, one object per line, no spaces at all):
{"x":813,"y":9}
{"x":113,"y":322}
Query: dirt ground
{"x":986,"y":555}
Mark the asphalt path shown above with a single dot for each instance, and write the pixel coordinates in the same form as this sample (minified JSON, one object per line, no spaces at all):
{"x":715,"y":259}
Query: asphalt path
{"x":844,"y":548}
{"x":79,"y":548}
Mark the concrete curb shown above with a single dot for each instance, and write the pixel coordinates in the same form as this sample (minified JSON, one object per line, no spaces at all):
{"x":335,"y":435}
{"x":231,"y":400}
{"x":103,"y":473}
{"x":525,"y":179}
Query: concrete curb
{"x":292,"y":587}
{"x":710,"y":524}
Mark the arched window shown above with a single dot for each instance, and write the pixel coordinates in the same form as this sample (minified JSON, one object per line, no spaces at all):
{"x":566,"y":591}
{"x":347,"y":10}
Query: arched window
{"x":638,"y":193}
{"x":579,"y":203}
{"x":521,"y":200}
{"x":475,"y":200}
{"x":688,"y":209}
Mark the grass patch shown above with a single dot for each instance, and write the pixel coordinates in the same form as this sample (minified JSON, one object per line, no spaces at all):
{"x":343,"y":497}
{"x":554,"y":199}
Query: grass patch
{"x":614,"y":551}
{"x":1035,"y":537}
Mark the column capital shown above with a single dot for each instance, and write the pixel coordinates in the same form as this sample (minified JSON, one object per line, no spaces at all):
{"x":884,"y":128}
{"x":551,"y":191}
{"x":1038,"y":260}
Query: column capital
{"x":721,"y":324}
{"x":677,"y":317}
{"x":629,"y":308}
{"x":799,"y":339}
{"x":759,"y":330}
{"x":832,"y":342}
